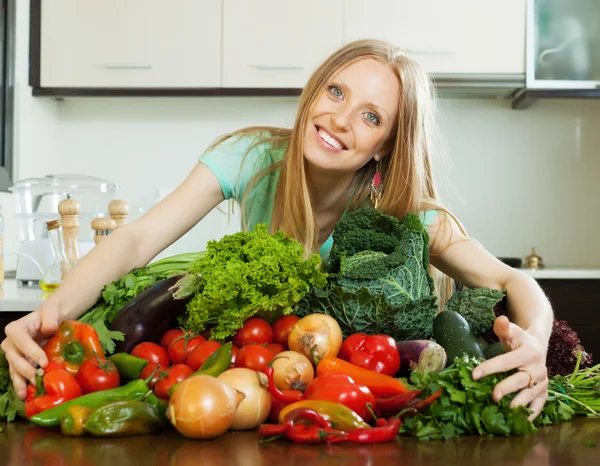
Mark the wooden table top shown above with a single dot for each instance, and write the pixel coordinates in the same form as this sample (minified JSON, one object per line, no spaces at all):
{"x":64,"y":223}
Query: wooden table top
{"x":24,"y":444}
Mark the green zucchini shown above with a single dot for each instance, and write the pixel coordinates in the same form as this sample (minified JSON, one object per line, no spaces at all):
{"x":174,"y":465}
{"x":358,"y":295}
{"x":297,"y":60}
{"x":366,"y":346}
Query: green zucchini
{"x":452,"y":332}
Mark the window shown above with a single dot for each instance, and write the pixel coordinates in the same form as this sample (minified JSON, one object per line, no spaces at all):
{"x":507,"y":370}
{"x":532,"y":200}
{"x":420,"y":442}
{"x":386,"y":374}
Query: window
{"x":7,"y":41}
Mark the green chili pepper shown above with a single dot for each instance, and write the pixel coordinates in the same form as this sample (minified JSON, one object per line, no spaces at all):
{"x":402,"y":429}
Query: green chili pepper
{"x":215,"y":365}
{"x":134,"y":390}
{"x":125,"y":417}
{"x":129,"y":366}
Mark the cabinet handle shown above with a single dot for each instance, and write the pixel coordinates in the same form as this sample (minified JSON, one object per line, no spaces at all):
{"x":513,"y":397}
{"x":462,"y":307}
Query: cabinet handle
{"x":278,"y":67}
{"x":430,"y":52}
{"x":128,"y":67}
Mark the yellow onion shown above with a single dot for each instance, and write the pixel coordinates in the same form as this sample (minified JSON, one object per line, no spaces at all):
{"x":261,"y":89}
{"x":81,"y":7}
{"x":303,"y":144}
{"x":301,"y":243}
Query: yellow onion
{"x":255,"y":407}
{"x":316,"y":336}
{"x":203,"y":407}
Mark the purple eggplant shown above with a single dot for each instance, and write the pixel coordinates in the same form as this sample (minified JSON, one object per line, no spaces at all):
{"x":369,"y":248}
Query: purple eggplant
{"x":149,"y":315}
{"x":420,"y":355}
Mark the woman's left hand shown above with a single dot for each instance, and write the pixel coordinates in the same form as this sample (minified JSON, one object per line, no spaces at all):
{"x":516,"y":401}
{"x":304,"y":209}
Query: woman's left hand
{"x":526,"y":353}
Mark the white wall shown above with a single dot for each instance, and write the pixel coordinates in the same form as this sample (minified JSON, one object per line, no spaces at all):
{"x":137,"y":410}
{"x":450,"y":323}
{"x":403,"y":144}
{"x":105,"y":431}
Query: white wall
{"x":516,"y":179}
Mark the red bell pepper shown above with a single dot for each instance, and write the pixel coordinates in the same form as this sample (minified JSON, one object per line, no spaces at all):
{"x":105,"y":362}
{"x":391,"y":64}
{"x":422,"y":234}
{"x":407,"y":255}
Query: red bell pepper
{"x":72,"y":344}
{"x":374,"y":352}
{"x":342,"y":389}
{"x":54,"y":385}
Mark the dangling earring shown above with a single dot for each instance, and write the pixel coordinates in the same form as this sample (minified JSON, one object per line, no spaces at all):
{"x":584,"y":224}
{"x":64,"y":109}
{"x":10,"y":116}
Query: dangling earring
{"x":376,"y":187}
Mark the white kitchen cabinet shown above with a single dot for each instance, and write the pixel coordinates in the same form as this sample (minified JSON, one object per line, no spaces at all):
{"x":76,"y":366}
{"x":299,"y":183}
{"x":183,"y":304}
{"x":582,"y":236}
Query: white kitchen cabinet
{"x":459,"y":36}
{"x":278,"y":43}
{"x":130,"y":44}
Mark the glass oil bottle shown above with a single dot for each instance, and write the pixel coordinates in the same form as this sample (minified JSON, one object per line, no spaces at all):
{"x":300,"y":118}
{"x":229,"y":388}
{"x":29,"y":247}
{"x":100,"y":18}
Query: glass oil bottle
{"x":55,"y":274}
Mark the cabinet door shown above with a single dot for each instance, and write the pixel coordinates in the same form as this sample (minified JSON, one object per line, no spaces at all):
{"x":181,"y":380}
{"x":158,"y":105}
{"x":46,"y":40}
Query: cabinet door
{"x":460,"y":36}
{"x":278,"y":44}
{"x":133,"y":43}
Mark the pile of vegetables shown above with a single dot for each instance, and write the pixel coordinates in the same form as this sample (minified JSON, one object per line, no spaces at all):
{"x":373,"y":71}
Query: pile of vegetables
{"x":252,"y":335}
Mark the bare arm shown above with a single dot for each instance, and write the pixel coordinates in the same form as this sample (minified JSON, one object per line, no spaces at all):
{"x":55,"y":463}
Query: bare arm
{"x":525,"y":338}
{"x":467,"y":262}
{"x":127,"y":247}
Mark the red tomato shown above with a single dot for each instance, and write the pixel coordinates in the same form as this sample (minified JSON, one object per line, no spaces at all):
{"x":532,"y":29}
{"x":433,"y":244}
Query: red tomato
{"x":181,"y":347}
{"x":97,"y":374}
{"x":169,"y":336}
{"x":176,"y":373}
{"x":282,"y":328}
{"x":153,"y":353}
{"x":275,"y":348}
{"x":201,"y":353}
{"x":149,"y":369}
{"x":255,"y":357}
{"x":255,"y":330}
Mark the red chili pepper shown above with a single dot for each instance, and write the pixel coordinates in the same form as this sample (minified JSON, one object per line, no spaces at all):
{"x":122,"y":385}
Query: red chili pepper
{"x":271,"y":430}
{"x":285,"y":396}
{"x":394,"y":404}
{"x":72,"y":344}
{"x":305,"y":414}
{"x":342,"y":389}
{"x":54,"y":386}
{"x":377,"y":353}
{"x":380,"y":434}
{"x":313,"y":434}
{"x":420,"y":405}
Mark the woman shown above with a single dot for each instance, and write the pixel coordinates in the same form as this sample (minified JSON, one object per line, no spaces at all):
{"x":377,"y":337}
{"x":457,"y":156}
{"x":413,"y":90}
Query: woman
{"x":362,"y":134}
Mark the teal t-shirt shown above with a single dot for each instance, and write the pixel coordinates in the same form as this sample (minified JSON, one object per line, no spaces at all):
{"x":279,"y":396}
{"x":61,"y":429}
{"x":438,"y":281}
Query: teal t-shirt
{"x":234,"y":167}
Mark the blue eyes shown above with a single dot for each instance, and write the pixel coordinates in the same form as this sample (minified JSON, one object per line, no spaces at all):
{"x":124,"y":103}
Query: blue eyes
{"x":371,"y":116}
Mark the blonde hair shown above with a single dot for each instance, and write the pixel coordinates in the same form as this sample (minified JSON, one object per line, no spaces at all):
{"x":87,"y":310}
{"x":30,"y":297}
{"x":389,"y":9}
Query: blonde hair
{"x":407,"y":167}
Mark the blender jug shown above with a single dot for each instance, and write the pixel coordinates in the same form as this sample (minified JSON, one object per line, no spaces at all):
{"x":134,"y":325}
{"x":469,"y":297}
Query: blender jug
{"x":37,"y":203}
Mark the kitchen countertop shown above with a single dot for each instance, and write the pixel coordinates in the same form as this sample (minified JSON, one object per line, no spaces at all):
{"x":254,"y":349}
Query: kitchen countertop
{"x":563,"y":444}
{"x":17,"y":298}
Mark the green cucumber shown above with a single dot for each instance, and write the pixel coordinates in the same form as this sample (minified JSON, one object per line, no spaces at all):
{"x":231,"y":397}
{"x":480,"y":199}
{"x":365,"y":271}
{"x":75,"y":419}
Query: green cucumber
{"x":452,"y":332}
{"x":493,"y":350}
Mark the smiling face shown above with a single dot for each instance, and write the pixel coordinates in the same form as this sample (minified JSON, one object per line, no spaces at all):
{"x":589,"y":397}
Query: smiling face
{"x":354,"y":117}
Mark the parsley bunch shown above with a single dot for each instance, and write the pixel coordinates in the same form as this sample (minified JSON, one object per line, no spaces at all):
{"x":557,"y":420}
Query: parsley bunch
{"x":465,"y":406}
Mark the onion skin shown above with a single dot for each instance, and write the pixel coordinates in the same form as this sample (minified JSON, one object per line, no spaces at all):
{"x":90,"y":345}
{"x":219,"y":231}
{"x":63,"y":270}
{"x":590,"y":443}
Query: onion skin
{"x":316,"y":336}
{"x":255,"y":408}
{"x":203,"y":407}
{"x":292,"y":371}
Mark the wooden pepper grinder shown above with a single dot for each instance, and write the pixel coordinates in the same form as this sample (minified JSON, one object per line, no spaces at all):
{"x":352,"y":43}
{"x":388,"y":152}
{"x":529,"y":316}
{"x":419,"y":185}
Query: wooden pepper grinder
{"x":118,"y":211}
{"x":103,"y":226}
{"x":69,"y":217}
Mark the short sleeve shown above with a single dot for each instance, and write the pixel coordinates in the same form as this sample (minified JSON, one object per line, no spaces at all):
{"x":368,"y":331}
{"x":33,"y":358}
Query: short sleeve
{"x":234,"y":165}
{"x":427,"y":217}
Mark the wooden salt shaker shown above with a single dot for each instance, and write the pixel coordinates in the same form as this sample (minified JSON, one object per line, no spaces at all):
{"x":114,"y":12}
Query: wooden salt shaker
{"x":118,"y":211}
{"x":103,"y":226}
{"x":69,"y":217}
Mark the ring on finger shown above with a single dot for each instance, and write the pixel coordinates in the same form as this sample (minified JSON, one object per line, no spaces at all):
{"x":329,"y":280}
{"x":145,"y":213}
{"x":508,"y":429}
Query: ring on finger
{"x":532,"y":381}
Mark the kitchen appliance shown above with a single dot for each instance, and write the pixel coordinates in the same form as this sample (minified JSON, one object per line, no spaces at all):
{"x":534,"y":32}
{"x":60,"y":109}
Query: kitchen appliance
{"x":37,"y":202}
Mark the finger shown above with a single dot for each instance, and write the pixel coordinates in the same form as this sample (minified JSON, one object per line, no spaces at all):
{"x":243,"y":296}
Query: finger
{"x":536,"y":406}
{"x":19,"y":383}
{"x":21,"y":366}
{"x":23,"y":342}
{"x":502,"y":363}
{"x":49,"y":321}
{"x":515,"y":382}
{"x":525,"y":397}
{"x":511,"y":335}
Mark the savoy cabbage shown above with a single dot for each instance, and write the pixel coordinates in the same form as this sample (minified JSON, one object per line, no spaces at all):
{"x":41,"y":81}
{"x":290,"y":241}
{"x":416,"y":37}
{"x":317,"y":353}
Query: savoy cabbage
{"x":378,"y":277}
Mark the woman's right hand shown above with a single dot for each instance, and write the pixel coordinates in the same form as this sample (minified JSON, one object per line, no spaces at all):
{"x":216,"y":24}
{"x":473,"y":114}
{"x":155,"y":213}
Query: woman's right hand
{"x":23,"y":344}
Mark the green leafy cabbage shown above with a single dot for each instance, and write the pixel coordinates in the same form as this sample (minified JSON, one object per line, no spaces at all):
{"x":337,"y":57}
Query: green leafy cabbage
{"x":379,"y":280}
